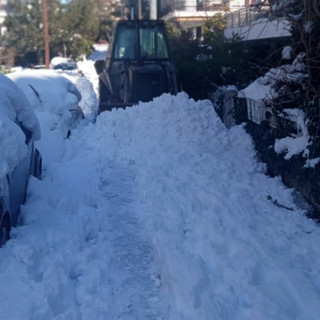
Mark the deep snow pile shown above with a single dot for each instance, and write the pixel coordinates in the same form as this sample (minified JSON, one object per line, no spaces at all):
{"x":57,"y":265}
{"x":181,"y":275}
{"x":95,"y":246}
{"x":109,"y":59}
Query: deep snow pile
{"x":229,"y":241}
{"x":160,"y":212}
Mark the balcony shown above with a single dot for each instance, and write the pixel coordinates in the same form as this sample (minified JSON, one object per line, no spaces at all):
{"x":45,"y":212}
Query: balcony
{"x":252,"y":23}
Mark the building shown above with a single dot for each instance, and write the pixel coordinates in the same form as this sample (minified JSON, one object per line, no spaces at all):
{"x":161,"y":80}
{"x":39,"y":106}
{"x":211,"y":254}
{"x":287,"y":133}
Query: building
{"x":252,"y":22}
{"x":246,"y":19}
{"x":191,"y":14}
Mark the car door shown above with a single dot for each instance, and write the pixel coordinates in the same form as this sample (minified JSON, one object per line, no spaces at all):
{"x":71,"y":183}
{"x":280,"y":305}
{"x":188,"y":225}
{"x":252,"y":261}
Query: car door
{"x":18,"y":181}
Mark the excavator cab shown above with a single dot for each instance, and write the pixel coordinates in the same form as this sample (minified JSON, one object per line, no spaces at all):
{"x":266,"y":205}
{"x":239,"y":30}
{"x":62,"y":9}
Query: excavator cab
{"x":138,"y":66}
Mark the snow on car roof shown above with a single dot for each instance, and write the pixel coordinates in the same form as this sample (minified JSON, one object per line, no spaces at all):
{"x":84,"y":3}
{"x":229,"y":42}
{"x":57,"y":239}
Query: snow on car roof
{"x":51,"y":91}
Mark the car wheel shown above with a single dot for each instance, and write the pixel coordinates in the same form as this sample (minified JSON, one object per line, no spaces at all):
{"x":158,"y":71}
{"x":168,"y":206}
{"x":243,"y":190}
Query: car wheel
{"x":4,"y":232}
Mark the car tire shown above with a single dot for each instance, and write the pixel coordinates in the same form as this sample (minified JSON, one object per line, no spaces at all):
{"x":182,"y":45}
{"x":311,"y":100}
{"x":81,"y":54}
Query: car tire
{"x":4,"y":232}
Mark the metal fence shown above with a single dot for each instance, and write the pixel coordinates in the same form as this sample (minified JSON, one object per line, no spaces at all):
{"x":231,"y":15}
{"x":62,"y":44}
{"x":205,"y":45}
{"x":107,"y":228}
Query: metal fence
{"x":246,"y":16}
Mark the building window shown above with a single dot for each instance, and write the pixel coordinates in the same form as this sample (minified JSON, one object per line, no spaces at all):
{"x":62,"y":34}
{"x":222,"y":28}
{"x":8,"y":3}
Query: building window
{"x":199,"y":5}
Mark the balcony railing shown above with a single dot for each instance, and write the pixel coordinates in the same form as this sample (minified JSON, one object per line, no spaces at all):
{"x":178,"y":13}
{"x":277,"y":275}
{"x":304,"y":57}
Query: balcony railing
{"x":246,"y":16}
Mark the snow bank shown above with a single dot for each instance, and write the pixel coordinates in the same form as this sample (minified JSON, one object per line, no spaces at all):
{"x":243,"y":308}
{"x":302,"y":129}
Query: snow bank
{"x":89,"y":103}
{"x":88,"y":70}
{"x":224,"y":249}
{"x":86,"y":67}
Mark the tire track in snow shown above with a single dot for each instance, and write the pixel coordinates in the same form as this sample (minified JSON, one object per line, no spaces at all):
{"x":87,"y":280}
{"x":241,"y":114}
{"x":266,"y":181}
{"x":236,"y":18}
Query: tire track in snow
{"x":136,"y":291}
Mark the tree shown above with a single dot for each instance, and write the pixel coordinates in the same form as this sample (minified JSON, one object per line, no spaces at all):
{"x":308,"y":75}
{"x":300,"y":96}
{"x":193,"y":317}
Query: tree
{"x":108,"y":12}
{"x":304,"y":16}
{"x":212,"y":62}
{"x":213,"y":30}
{"x":73,"y":27}
{"x":24,"y":32}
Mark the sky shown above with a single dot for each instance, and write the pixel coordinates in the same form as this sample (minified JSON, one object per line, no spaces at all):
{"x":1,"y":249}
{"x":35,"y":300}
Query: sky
{"x":157,"y":212}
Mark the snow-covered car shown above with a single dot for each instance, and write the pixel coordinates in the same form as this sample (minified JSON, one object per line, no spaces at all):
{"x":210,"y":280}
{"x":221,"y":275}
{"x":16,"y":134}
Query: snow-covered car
{"x":19,"y":158}
{"x":62,"y":63}
{"x":71,"y":65}
{"x":49,"y":91}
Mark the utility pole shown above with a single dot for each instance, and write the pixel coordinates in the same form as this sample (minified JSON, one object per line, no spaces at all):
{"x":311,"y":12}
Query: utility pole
{"x":46,"y":34}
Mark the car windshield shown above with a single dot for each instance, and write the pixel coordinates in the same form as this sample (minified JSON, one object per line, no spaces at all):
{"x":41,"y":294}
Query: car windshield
{"x":125,"y":46}
{"x":152,"y":42}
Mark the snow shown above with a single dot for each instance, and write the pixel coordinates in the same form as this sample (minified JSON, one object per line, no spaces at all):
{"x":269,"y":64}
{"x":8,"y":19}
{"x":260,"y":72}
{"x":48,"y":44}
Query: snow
{"x":287,"y":53}
{"x":260,"y":29}
{"x":259,"y":90}
{"x":311,"y":163}
{"x":58,"y":60}
{"x":308,"y":27}
{"x":99,"y":53}
{"x":262,"y":90}
{"x":89,"y":102}
{"x":294,"y":145}
{"x":14,"y":107}
{"x":49,"y":91}
{"x":159,"y":212}
{"x":65,"y":95}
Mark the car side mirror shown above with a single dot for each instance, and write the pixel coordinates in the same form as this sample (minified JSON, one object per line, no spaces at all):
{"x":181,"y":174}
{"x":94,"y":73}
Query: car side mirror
{"x":99,"y":65}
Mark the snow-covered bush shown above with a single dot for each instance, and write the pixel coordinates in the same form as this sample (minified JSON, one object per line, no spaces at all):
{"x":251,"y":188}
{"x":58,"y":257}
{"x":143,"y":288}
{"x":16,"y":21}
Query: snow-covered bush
{"x":286,"y":139}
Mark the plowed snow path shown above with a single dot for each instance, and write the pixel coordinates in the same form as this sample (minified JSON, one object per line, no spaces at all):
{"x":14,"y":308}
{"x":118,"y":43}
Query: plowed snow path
{"x":135,"y":292}
{"x":81,"y":253}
